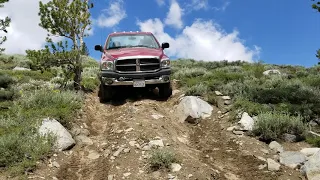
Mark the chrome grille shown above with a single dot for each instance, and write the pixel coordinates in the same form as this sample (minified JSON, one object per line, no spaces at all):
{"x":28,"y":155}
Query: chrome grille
{"x":137,"y":65}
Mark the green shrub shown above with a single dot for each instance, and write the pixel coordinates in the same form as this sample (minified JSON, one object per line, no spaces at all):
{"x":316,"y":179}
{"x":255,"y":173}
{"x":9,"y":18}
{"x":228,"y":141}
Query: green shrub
{"x":51,"y":103}
{"x":5,"y":80}
{"x":272,"y":125}
{"x":315,"y":141}
{"x":25,"y":76}
{"x":90,"y":84}
{"x":6,"y":94}
{"x":162,"y":158}
{"x":197,"y":90}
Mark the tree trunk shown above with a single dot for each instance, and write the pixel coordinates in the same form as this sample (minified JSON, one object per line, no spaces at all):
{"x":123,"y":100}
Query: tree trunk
{"x":77,"y":73}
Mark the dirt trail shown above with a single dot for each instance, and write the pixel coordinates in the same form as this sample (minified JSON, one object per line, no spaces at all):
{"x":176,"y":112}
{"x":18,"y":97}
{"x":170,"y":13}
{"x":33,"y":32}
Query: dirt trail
{"x":206,"y":150}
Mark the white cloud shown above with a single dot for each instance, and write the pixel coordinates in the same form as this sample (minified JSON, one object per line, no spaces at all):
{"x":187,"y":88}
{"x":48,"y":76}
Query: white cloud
{"x":203,"y":40}
{"x":199,"y":4}
{"x":174,"y":15}
{"x":114,"y":14}
{"x":24,"y":32}
{"x":223,"y":7}
{"x":160,"y":2}
{"x":204,"y":5}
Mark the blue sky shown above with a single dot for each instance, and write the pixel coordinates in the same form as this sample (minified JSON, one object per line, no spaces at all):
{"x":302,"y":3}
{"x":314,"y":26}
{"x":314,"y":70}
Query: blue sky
{"x":280,"y":32}
{"x":287,"y":32}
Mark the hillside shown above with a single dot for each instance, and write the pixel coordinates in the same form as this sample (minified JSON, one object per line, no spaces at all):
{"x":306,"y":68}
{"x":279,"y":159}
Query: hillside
{"x":141,"y":137}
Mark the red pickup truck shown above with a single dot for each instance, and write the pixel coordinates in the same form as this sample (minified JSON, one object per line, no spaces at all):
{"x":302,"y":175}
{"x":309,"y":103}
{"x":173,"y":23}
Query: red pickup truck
{"x":134,"y":59}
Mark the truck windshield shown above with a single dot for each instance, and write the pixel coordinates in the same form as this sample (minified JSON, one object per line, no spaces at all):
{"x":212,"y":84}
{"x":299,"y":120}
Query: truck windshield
{"x":129,"y":40}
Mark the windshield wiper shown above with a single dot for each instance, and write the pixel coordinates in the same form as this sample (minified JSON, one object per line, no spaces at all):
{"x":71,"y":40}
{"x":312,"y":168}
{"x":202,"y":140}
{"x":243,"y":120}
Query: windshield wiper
{"x":144,"y":46}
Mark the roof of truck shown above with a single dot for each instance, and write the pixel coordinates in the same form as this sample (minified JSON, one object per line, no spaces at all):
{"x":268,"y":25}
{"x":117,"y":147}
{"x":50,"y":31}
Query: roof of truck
{"x":129,"y":32}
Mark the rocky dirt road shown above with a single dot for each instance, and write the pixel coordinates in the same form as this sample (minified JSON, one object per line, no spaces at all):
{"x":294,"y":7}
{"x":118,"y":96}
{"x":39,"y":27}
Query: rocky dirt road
{"x":114,"y":142}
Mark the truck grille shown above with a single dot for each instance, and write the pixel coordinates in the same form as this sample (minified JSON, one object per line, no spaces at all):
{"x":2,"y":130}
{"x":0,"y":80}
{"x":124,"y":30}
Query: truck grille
{"x":135,"y":65}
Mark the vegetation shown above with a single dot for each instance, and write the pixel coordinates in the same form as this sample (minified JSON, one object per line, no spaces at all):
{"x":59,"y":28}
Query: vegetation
{"x":4,"y":23}
{"x":70,"y":21}
{"x":283,"y":103}
{"x":26,"y":98}
{"x":161,"y":158}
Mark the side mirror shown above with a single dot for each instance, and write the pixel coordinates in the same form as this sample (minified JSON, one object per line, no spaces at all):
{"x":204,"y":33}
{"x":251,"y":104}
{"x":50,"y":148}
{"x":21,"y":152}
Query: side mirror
{"x":98,"y":48}
{"x":165,"y":45}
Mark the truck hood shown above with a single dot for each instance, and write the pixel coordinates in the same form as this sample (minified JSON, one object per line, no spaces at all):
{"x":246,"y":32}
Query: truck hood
{"x":138,"y":51}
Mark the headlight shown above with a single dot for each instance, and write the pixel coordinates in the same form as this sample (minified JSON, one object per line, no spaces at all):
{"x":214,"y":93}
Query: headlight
{"x":165,"y":63}
{"x":107,"y":65}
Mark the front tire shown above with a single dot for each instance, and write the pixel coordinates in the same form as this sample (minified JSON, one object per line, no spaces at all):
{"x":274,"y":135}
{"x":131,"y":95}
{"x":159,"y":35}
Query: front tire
{"x":105,"y":93}
{"x":165,"y":90}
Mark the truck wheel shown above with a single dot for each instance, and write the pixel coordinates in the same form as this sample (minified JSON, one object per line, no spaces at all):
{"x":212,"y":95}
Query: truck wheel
{"x":105,"y":93}
{"x":165,"y":90}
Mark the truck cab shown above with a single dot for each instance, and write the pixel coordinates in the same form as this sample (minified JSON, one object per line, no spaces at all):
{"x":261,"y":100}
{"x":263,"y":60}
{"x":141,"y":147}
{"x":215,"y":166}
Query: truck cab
{"x":134,"y":59}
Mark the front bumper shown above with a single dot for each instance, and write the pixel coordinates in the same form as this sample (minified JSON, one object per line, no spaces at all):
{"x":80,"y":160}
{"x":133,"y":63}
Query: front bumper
{"x":112,"y":78}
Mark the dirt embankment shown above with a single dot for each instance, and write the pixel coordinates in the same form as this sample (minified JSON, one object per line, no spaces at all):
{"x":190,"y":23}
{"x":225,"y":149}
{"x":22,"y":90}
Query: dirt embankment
{"x":112,"y":143}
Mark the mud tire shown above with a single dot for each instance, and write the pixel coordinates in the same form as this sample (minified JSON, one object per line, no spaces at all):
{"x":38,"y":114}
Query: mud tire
{"x":105,"y":93}
{"x":165,"y":90}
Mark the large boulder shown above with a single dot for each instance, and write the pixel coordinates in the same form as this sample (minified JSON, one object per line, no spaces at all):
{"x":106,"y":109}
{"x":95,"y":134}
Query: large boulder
{"x":311,"y":168}
{"x":272,"y":72}
{"x":292,"y":159}
{"x":192,"y":108}
{"x":64,"y":140}
{"x":246,"y":122}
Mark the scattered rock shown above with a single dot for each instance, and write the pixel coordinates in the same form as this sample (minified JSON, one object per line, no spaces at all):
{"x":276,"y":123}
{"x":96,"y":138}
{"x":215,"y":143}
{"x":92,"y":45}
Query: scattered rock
{"x":190,"y":175}
{"x":231,"y":128}
{"x":170,"y":176}
{"x":64,"y":138}
{"x":313,"y":123}
{"x":156,"y":174}
{"x":115,"y":154}
{"x":80,"y":131}
{"x":55,"y":164}
{"x":54,"y":178}
{"x":183,"y":140}
{"x":265,"y":151}
{"x":273,"y":165}
{"x":127,"y":150}
{"x":271,"y":71}
{"x":175,"y":167}
{"x":192,"y":108}
{"x":309,"y":151}
{"x":226,"y":98}
{"x":311,"y":168}
{"x":82,"y":139}
{"x":274,"y":145}
{"x":246,"y":123}
{"x":218,"y":93}
{"x":292,"y":159}
{"x":289,"y":137}
{"x":157,"y":143}
{"x":17,"y":68}
{"x":262,"y":166}
{"x":93,"y":155}
{"x":227,"y":102}
{"x":132,"y":143}
{"x":110,"y":177}
{"x":174,"y":92}
{"x":129,"y":129}
{"x":126,"y":174}
{"x":157,"y":116}
{"x":240,"y":133}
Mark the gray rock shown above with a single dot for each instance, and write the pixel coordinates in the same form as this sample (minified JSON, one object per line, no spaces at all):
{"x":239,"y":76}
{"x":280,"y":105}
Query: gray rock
{"x":64,"y":140}
{"x":262,"y":166}
{"x":274,"y":145}
{"x":175,"y":92}
{"x":309,"y":151}
{"x":292,"y":159}
{"x":192,"y":108}
{"x":311,"y":168}
{"x":246,"y":122}
{"x":227,"y":102}
{"x":84,"y":140}
{"x":273,"y":165}
{"x":110,"y":177}
{"x":238,"y":133}
{"x":313,"y":123}
{"x":175,"y":167}
{"x":157,"y":116}
{"x":226,"y":98}
{"x":156,"y":143}
{"x":272,"y":71}
{"x":17,"y":68}
{"x":218,"y":93}
{"x":231,"y":128}
{"x":115,"y":154}
{"x":93,"y":155}
{"x":289,"y":137}
{"x":55,"y":164}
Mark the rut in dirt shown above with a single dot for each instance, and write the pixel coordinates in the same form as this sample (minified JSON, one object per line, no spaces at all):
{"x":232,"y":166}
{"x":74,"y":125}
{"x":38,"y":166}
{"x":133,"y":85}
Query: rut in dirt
{"x":117,"y":145}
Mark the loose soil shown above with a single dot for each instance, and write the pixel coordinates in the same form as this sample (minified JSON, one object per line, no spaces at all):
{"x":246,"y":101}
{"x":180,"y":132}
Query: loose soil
{"x":206,"y":150}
